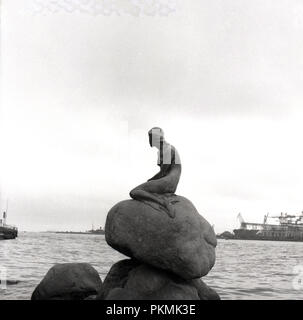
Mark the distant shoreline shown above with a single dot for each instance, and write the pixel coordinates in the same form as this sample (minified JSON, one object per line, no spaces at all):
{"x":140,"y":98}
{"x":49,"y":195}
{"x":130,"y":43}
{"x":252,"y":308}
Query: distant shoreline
{"x":77,"y":232}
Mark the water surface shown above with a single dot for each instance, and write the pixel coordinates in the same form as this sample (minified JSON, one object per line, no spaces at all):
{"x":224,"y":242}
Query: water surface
{"x":243,"y":270}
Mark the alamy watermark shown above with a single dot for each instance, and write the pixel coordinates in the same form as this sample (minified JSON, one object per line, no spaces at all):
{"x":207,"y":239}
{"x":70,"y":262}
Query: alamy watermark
{"x":3,"y":278}
{"x":297,"y":282}
{"x":106,"y":7}
{"x":3,"y":270}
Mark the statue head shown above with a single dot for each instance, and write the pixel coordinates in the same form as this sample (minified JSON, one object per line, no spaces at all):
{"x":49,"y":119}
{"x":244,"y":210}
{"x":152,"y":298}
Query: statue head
{"x":156,"y":136}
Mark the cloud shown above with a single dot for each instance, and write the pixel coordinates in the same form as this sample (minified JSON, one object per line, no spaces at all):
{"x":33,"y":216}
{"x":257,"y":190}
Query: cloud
{"x":215,"y":58}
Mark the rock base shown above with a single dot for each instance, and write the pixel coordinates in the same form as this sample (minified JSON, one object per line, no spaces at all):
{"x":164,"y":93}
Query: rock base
{"x":131,"y":280}
{"x":68,"y":281}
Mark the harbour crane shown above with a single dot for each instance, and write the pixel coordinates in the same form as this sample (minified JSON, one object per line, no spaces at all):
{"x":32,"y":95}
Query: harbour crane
{"x":265,"y":218}
{"x":287,"y":218}
{"x":240,"y":218}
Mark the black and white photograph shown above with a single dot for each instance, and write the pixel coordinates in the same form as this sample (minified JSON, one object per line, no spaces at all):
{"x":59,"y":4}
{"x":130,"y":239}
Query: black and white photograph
{"x":151,"y":150}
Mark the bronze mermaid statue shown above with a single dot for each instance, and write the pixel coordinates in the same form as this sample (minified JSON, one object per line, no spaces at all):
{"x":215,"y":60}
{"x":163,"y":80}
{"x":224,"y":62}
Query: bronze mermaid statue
{"x":159,"y":190}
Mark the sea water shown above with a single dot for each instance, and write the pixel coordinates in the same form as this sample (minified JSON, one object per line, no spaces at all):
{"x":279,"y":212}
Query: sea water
{"x":243,"y":269}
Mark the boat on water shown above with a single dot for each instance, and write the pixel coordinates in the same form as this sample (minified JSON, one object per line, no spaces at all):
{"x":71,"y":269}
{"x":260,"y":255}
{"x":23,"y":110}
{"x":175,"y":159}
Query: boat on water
{"x":96,"y":231}
{"x":289,"y":228}
{"x":99,"y":231}
{"x":7,"y":231}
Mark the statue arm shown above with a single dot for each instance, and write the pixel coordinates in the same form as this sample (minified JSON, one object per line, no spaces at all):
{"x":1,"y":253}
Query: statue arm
{"x":163,"y":172}
{"x":157,"y":176}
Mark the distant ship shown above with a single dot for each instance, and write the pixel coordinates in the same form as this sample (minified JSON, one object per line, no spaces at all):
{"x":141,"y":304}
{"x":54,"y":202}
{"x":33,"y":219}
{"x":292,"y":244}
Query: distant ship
{"x":6,"y":231}
{"x":99,"y":231}
{"x":290,"y":228}
{"x":96,"y":231}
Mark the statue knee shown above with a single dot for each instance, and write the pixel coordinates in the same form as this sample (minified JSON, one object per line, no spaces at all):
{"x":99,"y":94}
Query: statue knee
{"x":132,"y":194}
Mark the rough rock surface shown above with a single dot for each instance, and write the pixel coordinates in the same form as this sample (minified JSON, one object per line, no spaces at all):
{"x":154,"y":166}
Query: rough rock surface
{"x":117,"y":276}
{"x":68,"y":281}
{"x":130,"y":280}
{"x":184,"y":245}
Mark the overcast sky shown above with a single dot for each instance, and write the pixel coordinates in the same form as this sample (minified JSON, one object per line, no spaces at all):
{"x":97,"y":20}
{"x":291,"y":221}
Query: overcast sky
{"x":223,"y":78}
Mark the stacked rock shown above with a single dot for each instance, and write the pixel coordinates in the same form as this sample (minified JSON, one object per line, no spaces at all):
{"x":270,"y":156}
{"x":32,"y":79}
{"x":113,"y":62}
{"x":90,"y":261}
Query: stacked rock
{"x":168,"y":256}
{"x":170,"y":245}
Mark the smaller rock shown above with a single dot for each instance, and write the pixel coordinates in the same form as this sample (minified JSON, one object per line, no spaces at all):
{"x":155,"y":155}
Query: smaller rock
{"x":12,"y":282}
{"x":91,"y":297}
{"x":121,"y":294}
{"x":68,"y":281}
{"x":204,"y":291}
{"x":131,"y":280}
{"x":117,"y":276}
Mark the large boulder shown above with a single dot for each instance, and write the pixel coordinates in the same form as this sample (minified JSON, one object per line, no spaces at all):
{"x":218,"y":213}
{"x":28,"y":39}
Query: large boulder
{"x":184,"y":245}
{"x":130,"y":280}
{"x":68,"y":281}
